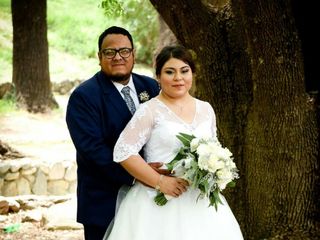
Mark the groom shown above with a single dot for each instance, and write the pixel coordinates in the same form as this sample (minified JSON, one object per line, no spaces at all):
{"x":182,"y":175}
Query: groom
{"x":97,"y":112}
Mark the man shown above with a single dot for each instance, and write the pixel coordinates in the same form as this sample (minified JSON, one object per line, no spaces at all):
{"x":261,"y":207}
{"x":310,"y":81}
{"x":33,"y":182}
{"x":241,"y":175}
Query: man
{"x":97,"y":112}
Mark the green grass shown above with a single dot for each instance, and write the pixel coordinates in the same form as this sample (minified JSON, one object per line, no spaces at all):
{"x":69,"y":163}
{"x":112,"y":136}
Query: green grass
{"x":74,"y":26}
{"x":5,"y":41}
{"x":6,"y":106}
{"x":73,"y":31}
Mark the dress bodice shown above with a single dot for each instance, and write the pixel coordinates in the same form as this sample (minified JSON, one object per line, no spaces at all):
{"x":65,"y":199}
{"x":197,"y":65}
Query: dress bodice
{"x":155,"y":127}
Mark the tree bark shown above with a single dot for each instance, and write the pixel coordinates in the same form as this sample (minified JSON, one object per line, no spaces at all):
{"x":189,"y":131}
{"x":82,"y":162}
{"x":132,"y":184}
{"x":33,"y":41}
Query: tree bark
{"x":30,"y":56}
{"x":251,"y":69}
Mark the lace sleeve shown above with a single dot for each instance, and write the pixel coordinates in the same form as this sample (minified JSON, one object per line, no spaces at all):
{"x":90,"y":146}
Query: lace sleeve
{"x":135,"y":134}
{"x":212,"y":115}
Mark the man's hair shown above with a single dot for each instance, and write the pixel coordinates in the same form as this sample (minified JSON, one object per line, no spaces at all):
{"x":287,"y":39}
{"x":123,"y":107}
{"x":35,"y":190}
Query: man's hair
{"x":114,"y":30}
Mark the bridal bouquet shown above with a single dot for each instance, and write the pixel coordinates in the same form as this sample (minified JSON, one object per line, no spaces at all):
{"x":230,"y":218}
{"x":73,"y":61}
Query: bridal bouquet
{"x":205,"y":164}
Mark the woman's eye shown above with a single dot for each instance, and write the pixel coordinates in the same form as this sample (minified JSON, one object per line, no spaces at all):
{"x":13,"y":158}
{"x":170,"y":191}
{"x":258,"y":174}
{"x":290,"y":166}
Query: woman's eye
{"x":169,"y":72}
{"x":185,"y":70}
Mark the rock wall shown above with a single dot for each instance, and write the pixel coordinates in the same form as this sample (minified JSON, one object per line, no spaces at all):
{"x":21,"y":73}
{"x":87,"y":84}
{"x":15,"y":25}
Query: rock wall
{"x":26,"y":176}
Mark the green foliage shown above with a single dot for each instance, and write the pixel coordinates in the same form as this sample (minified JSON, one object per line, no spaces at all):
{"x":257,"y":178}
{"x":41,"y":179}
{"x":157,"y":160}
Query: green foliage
{"x":112,"y":8}
{"x":7,"y":105}
{"x":141,"y":19}
{"x":5,"y":40}
{"x":74,"y":27}
{"x":73,"y":31}
{"x":5,"y":5}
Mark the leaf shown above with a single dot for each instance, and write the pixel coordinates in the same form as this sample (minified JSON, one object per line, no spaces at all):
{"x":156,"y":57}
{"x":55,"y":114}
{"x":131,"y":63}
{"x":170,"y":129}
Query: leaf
{"x":185,"y":138}
{"x":160,"y":199}
{"x":173,"y":162}
{"x":12,"y":228}
{"x":215,"y":199}
{"x":112,"y":8}
{"x":231,"y":184}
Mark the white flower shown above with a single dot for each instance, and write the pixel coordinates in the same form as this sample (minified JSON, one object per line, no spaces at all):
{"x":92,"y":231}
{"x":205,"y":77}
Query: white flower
{"x":214,"y":164}
{"x":224,"y":153}
{"x":205,"y":164}
{"x":179,"y":169}
{"x":194,"y":144}
{"x":224,"y":177}
{"x":188,"y":161}
{"x":144,"y":96}
{"x":203,"y":149}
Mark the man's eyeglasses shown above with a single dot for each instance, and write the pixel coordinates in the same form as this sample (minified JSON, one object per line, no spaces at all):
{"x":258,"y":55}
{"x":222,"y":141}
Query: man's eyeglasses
{"x":112,"y":52}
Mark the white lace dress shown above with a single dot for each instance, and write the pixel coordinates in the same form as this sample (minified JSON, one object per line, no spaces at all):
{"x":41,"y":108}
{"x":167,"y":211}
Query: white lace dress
{"x":155,"y":126}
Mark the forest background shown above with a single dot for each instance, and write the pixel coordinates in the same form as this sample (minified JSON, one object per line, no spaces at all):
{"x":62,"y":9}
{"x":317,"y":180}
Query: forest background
{"x":73,"y":31}
{"x":258,"y":69}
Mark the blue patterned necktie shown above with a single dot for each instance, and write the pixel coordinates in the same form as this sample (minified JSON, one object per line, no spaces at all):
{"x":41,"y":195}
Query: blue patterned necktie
{"x":128,"y":99}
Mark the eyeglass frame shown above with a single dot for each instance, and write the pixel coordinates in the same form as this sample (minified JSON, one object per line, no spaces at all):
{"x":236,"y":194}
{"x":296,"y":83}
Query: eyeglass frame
{"x":115,"y":51}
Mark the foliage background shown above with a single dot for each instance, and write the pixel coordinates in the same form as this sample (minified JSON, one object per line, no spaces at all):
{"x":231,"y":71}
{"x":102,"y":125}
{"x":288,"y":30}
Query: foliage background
{"x":73,"y":31}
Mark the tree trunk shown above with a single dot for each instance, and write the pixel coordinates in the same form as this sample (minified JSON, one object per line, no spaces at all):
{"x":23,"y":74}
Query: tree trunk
{"x":251,"y":70}
{"x":30,"y":56}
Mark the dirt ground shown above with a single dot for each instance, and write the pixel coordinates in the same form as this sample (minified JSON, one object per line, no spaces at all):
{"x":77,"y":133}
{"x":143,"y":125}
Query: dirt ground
{"x":38,"y":136}
{"x":34,"y":231}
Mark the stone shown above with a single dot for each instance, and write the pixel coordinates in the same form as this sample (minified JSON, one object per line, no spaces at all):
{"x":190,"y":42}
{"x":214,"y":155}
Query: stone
{"x":11,"y":176}
{"x":9,"y":189}
{"x":32,"y":216}
{"x":23,"y":186}
{"x":14,"y":206}
{"x":56,"y":171}
{"x":4,"y":168}
{"x":72,"y":187}
{"x":71,"y":173}
{"x":1,"y":185}
{"x":45,"y":168}
{"x":15,"y":166}
{"x":40,"y":184}
{"x":4,"y":206}
{"x":29,"y":171}
{"x":58,"y":187}
{"x":62,"y":216}
{"x":30,"y":178}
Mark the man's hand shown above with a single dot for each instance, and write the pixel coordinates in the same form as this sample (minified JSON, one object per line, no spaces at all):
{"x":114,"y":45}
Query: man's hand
{"x":157,"y":167}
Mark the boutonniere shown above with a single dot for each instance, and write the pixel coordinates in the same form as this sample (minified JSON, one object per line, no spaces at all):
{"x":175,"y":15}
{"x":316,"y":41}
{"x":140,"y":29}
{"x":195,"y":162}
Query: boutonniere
{"x":144,"y":96}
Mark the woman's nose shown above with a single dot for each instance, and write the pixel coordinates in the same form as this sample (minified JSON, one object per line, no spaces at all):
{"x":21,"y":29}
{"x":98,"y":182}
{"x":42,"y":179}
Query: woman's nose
{"x":178,"y":77}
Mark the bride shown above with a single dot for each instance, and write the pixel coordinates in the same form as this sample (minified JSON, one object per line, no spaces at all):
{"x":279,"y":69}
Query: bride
{"x":154,"y":127}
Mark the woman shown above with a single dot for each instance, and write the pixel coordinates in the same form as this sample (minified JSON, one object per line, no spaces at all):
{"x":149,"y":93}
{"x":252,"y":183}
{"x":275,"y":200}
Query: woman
{"x":154,"y":127}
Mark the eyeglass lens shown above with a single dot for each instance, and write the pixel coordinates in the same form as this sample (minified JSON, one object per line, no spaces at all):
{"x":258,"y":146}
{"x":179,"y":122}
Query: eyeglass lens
{"x":111,"y":53}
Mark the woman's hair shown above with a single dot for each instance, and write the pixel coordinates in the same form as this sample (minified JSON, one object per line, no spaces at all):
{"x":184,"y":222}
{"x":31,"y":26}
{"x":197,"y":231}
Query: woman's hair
{"x":175,"y":51}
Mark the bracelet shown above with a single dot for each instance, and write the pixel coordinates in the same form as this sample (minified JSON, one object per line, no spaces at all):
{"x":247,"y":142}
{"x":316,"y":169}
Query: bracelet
{"x":157,"y":187}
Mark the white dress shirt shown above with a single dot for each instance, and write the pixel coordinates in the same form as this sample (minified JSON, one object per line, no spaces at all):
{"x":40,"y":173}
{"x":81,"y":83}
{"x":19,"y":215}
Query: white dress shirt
{"x":133,"y":92}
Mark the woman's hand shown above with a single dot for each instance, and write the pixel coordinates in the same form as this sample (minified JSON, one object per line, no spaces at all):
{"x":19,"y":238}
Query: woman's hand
{"x":172,"y":186}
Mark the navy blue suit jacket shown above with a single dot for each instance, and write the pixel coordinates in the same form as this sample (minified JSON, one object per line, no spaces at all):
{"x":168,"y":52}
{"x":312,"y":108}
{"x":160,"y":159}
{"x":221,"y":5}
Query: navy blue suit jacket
{"x":96,"y":115}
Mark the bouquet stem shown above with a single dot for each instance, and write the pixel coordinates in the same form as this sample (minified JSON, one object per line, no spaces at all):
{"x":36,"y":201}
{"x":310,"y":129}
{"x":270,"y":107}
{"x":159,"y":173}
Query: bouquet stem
{"x":160,"y":199}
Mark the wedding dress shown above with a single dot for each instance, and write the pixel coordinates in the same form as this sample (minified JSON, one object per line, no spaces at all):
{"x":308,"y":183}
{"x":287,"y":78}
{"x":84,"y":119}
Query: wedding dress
{"x":155,"y":127}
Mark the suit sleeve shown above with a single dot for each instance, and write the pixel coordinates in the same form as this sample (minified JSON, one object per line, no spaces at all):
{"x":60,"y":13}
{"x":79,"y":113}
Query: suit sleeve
{"x":94,"y":154}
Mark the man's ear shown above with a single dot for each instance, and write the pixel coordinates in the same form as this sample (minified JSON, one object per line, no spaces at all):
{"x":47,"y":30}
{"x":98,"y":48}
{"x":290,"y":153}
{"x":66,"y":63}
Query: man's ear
{"x":134,"y":55}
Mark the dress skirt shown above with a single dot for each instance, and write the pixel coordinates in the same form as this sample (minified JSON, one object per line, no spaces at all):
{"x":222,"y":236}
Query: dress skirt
{"x":185,"y":218}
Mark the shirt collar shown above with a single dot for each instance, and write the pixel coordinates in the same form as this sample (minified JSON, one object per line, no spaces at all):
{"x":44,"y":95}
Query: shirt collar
{"x":130,"y":84}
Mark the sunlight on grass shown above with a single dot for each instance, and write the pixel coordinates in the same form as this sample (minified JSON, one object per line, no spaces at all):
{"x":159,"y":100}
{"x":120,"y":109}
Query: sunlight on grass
{"x":72,"y":36}
{"x":7,"y":106}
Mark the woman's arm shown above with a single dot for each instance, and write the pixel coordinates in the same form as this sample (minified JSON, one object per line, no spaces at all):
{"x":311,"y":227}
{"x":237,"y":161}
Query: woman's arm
{"x":138,"y":168}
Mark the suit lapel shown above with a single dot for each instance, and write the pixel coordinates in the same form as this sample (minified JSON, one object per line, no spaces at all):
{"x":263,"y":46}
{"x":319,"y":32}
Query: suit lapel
{"x":113,"y":96}
{"x":140,"y":88}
